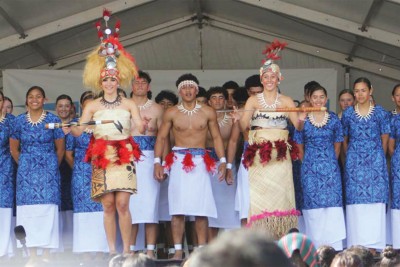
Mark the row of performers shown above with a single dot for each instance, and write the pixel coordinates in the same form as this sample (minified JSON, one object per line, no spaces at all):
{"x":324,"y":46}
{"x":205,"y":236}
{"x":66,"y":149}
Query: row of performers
{"x":321,"y":193}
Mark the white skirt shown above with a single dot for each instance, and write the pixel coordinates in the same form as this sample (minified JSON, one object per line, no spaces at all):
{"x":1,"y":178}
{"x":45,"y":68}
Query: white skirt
{"x":89,"y":234}
{"x":242,"y":198}
{"x":395,"y":216}
{"x":144,"y":204}
{"x":6,"y":229}
{"x":366,"y":225}
{"x":325,"y":226}
{"x":66,"y":229}
{"x":41,"y":223}
{"x":224,"y":195}
{"x":190,"y":193}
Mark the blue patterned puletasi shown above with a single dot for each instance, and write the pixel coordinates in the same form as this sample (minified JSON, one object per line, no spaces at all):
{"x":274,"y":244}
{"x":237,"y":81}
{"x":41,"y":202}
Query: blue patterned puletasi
{"x":6,"y":163}
{"x":366,"y":176}
{"x":81,"y":185}
{"x":395,"y":162}
{"x":320,"y":172}
{"x":145,"y":142}
{"x":38,"y":176}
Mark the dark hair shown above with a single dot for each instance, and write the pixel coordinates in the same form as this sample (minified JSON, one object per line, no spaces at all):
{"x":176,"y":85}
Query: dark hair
{"x":149,"y":94}
{"x":364,"y":254}
{"x":297,"y":260}
{"x":9,"y":99}
{"x":187,"y":77}
{"x":166,"y":94}
{"x":326,"y":255}
{"x":144,"y":75}
{"x":120,"y":90}
{"x":61,"y":97}
{"x":253,"y":81}
{"x":37,"y":88}
{"x":363,"y":80}
{"x":2,"y":95}
{"x":202,"y":92}
{"x":390,"y":258}
{"x":230,"y":85}
{"x":240,"y":95}
{"x":317,"y":88}
{"x":85,"y":96}
{"x":346,"y":91}
{"x":394,"y":88}
{"x":217,"y":90}
{"x":308,"y":87}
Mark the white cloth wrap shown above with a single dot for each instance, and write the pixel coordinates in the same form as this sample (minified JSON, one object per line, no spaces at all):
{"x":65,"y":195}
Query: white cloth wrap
{"x":395,"y":216}
{"x":242,"y":199}
{"x":6,"y":245}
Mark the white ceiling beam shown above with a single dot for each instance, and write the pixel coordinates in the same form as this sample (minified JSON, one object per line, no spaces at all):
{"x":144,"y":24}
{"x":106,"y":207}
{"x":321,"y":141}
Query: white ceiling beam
{"x":67,"y":23}
{"x":326,"y":20}
{"x":330,"y":55}
{"x":128,"y":40}
{"x":394,"y":1}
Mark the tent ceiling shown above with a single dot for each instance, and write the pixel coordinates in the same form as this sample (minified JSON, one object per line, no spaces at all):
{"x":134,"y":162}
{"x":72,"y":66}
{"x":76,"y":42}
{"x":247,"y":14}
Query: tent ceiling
{"x":212,"y":34}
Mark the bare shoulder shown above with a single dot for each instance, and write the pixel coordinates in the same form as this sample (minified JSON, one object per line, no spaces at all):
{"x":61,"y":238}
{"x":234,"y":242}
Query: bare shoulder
{"x":128,"y":101}
{"x":286,"y":101}
{"x":157,"y":108}
{"x":170,"y":113}
{"x":209,"y":111}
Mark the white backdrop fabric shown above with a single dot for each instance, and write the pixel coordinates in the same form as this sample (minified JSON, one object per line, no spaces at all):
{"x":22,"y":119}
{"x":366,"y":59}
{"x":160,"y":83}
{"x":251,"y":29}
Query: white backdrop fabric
{"x":56,"y":82}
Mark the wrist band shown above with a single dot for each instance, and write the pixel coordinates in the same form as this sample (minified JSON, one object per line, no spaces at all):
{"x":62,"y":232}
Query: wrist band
{"x":222,"y":160}
{"x":157,"y":160}
{"x":229,"y":166}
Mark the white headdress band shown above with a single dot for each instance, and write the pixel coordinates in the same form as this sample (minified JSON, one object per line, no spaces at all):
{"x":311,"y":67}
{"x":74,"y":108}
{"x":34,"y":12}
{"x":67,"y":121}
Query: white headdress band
{"x":187,"y":83}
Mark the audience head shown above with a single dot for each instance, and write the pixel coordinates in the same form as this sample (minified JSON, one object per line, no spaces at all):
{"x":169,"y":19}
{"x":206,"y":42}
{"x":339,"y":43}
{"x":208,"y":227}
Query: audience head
{"x":390,"y":258}
{"x":325,"y":255}
{"x":8,"y":105}
{"x":239,"y":248}
{"x":166,"y":99}
{"x":346,"y":99}
{"x":364,"y":254}
{"x":347,"y":259}
{"x":297,"y":245}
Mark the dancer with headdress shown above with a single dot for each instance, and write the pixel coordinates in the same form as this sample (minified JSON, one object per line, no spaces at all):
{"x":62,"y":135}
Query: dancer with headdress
{"x":272,"y":201}
{"x":112,"y":150}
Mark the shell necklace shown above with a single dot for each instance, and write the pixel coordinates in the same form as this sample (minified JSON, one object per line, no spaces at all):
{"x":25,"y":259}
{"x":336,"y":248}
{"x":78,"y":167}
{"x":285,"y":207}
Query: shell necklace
{"x":224,"y":121}
{"x":318,"y":124}
{"x":366,"y":116}
{"x":182,"y":109}
{"x":394,"y":111}
{"x":35,"y":123}
{"x":263,"y":104}
{"x":146,"y":105}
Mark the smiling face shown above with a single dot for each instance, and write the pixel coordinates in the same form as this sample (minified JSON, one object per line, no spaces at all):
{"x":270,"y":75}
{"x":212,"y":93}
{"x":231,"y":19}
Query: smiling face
{"x":109,"y":85}
{"x":362,"y":92}
{"x":270,"y":80}
{"x":35,"y":100}
{"x":63,"y":109}
{"x":346,"y":100}
{"x":318,"y":99}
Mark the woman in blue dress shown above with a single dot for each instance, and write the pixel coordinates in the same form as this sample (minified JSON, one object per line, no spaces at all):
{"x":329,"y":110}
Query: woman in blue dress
{"x":38,"y":153}
{"x":88,"y":231}
{"x":6,"y":181}
{"x":63,"y":109}
{"x":366,"y":129}
{"x":319,"y":145}
{"x":394,"y":151}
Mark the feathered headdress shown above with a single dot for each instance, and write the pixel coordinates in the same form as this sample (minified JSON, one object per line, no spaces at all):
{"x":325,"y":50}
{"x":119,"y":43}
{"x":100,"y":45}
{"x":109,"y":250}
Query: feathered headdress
{"x":271,"y":53}
{"x":109,"y":59}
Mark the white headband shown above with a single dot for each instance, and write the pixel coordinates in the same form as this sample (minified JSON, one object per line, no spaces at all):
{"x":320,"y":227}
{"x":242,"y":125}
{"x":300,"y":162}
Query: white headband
{"x":187,"y":83}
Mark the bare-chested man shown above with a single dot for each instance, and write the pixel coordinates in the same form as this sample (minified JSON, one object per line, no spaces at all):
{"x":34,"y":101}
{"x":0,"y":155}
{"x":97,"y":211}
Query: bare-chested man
{"x":224,"y":194}
{"x":253,"y":87}
{"x":144,"y":205}
{"x":189,"y":191}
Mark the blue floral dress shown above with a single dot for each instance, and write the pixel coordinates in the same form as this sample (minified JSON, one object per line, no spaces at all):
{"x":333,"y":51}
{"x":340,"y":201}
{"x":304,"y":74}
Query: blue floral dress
{"x":6,"y":163}
{"x":38,"y":176}
{"x":320,"y":172}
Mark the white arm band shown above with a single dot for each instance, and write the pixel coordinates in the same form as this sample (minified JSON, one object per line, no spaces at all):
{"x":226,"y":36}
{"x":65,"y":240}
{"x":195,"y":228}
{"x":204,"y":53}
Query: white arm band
{"x":157,"y":160}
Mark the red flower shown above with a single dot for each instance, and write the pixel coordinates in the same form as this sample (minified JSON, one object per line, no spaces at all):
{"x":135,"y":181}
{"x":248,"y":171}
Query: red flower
{"x":249,"y":154}
{"x":281,"y":149}
{"x":265,"y":152}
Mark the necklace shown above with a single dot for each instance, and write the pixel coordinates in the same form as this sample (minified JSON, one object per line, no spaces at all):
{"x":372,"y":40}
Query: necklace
{"x":394,"y":111}
{"x":146,"y":105}
{"x":366,"y":116}
{"x":223,"y":122}
{"x":318,"y":124}
{"x":88,"y":131}
{"x":35,"y":123}
{"x":263,"y":104}
{"x":182,"y":109}
{"x":112,"y":104}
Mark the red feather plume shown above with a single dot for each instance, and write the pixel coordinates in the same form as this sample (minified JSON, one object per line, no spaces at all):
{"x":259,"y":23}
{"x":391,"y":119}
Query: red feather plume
{"x":210,"y":162}
{"x":169,"y":160}
{"x":188,"y":164}
{"x":265,"y":152}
